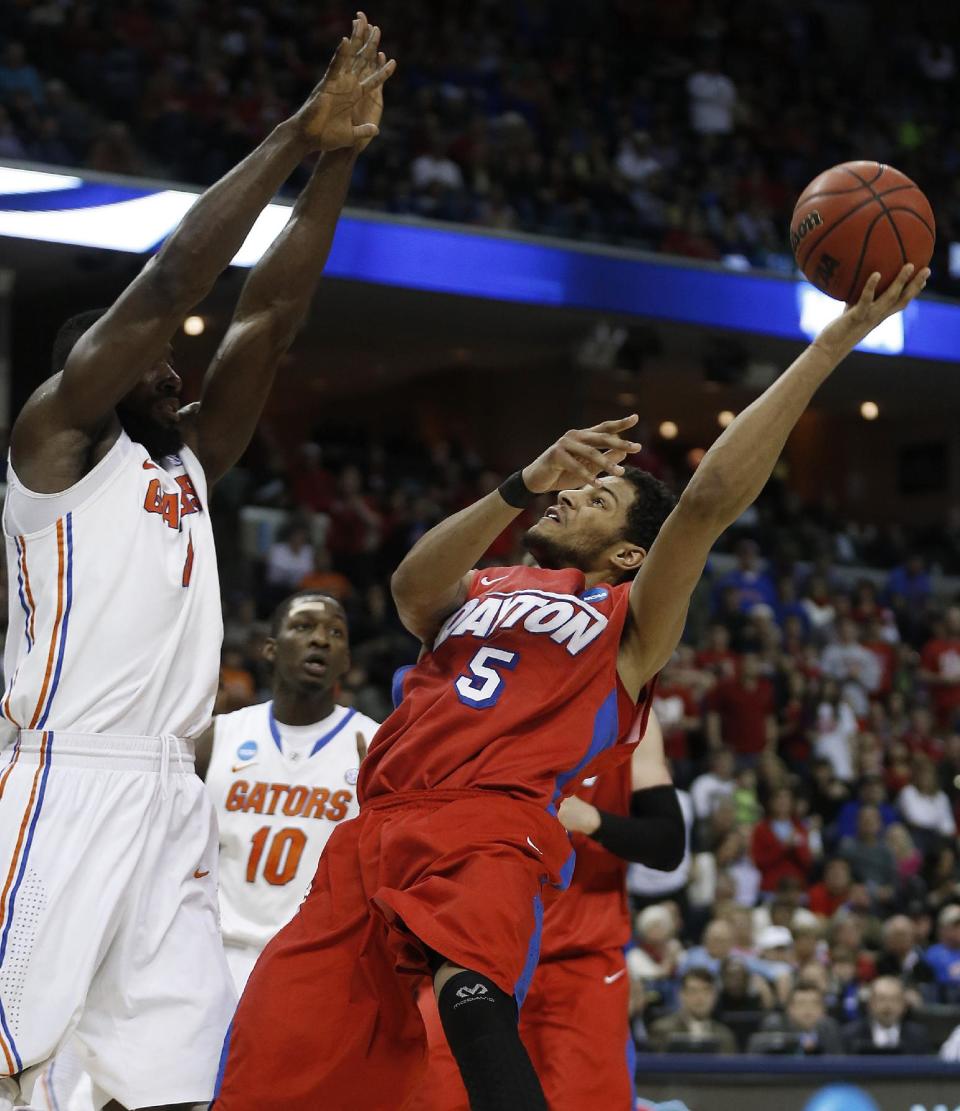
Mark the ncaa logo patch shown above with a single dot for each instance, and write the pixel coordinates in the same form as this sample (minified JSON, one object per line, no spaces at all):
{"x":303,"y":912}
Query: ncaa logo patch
{"x":247,"y":750}
{"x":351,"y":775}
{"x":597,"y":594}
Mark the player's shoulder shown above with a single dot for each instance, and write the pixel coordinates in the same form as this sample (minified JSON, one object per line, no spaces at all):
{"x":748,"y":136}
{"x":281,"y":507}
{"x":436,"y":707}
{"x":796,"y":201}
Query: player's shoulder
{"x":251,"y":719}
{"x":363,"y":724}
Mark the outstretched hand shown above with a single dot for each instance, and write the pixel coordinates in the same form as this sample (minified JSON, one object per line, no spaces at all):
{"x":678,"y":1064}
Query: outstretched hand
{"x":859,"y":319}
{"x":344,"y":109}
{"x":580,"y":455}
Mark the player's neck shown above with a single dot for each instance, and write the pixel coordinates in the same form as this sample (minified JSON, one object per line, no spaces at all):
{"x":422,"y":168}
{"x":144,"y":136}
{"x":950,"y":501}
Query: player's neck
{"x":292,"y":707}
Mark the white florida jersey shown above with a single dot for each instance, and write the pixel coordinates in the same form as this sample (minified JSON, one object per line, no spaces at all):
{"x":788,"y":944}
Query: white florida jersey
{"x":276,"y":813}
{"x":114,"y":599}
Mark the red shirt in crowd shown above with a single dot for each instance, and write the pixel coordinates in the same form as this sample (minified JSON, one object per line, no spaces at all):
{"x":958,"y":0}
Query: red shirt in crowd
{"x":671,"y":703}
{"x":823,"y":902}
{"x":743,"y":713}
{"x":887,"y":656}
{"x":942,"y":656}
{"x":779,"y":860}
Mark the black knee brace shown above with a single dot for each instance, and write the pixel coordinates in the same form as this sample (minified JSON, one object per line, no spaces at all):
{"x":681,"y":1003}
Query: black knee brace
{"x":480,"y":1022}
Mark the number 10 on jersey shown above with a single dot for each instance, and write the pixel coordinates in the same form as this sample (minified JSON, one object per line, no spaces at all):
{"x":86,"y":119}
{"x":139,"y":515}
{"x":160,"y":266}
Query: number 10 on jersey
{"x":482,"y":683}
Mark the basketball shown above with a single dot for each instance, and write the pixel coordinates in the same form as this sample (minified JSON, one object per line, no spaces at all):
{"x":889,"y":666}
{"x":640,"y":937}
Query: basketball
{"x":856,"y":219}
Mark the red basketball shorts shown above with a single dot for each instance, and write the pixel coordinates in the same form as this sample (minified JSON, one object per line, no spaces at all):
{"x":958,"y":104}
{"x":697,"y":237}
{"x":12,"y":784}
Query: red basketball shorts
{"x":575,"y":1026}
{"x":329,"y":1016}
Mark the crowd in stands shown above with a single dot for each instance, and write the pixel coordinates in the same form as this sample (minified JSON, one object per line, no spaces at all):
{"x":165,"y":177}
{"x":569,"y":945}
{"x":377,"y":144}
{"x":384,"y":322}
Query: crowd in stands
{"x":687,"y":127}
{"x":811,"y":717}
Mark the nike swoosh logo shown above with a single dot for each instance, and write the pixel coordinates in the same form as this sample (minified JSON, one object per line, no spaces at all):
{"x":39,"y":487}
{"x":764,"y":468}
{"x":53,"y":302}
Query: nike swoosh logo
{"x":239,"y":767}
{"x":615,"y":976}
{"x":534,"y":847}
{"x":484,"y":581}
{"x":198,"y":875}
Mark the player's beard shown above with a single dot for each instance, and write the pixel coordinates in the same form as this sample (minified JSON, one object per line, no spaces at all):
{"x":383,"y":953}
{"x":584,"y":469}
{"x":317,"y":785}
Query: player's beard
{"x":159,"y":439}
{"x":555,"y":553}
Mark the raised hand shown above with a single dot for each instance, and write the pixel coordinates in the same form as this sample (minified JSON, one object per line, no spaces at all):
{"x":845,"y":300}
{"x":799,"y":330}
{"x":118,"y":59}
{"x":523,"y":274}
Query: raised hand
{"x":343,"y":110}
{"x":859,"y":319}
{"x":580,"y":455}
{"x":361,"y":746}
{"x":369,"y":108}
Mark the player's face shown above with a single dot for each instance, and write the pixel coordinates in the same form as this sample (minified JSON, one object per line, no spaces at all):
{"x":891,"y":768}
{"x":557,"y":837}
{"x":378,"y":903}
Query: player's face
{"x":312,"y":648}
{"x":584,"y":528}
{"x":150,"y":412}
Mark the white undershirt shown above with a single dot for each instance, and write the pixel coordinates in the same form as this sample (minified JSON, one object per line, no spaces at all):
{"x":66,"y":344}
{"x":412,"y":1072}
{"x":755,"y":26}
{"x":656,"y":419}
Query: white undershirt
{"x":298,"y":740}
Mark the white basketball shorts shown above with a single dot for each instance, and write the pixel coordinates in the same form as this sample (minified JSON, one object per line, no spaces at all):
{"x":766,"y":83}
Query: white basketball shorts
{"x":109,"y":926}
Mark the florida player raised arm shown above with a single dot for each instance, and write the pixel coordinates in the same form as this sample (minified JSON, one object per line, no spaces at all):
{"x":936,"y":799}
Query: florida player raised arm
{"x":731,"y":475}
{"x":435,"y":575}
{"x":73,"y":412}
{"x":277,"y":295}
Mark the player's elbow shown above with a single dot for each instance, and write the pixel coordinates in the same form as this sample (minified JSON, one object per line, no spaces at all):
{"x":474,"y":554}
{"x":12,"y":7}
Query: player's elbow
{"x":706,"y":500}
{"x":176,"y":279}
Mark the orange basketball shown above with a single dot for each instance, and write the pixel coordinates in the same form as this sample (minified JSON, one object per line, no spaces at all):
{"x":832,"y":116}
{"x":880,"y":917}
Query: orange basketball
{"x":858,"y":218}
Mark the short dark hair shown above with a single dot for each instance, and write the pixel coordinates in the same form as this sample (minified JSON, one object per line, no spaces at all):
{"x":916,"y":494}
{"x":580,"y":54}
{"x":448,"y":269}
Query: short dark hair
{"x":704,"y":975}
{"x":68,"y":334}
{"x":652,"y":504}
{"x":278,"y":615}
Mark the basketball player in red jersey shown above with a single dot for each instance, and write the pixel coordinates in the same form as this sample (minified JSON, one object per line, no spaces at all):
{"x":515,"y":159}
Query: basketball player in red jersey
{"x":528,"y":680}
{"x":574,"y":1022}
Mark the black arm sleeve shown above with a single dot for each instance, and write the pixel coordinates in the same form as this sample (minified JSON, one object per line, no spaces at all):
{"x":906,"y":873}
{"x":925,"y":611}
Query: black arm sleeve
{"x":654,"y":834}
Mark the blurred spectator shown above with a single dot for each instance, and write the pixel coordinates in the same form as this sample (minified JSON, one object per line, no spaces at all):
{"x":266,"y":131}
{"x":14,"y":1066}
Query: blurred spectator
{"x":715,"y":784}
{"x":940,"y":668}
{"x":901,"y":956}
{"x":740,"y":712}
{"x":713,"y":98}
{"x":886,"y":1028}
{"x":750,"y":582}
{"x":692,"y":1024}
{"x":836,"y":730}
{"x":906,"y":855}
{"x":944,"y":956}
{"x":17,"y":75}
{"x":324,"y":579}
{"x":806,"y":1018}
{"x":657,"y":952}
{"x":716,"y":656}
{"x":289,"y":560}
{"x":870,"y":860}
{"x":780,"y":846}
{"x":676,"y":706}
{"x":908,"y":587}
{"x":870,"y":793}
{"x":833,"y":891}
{"x":732,"y":860}
{"x":739,"y":988}
{"x":854,"y":667}
{"x":925,"y":807}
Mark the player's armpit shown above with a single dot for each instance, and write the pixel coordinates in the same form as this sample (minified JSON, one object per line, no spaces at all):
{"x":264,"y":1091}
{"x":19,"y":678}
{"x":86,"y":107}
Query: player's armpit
{"x":423,"y":612}
{"x":660,"y":594}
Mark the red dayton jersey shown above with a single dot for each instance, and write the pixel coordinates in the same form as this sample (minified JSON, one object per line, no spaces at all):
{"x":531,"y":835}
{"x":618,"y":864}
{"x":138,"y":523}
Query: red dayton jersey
{"x":592,"y":914}
{"x":519,"y":692}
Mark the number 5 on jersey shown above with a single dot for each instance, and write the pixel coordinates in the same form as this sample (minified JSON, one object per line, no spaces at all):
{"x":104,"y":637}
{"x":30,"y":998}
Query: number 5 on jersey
{"x":483,"y":684}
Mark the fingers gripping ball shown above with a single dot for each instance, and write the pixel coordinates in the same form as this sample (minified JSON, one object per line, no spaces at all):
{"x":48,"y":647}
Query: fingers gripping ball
{"x":841,"y":1097}
{"x":858,"y":218}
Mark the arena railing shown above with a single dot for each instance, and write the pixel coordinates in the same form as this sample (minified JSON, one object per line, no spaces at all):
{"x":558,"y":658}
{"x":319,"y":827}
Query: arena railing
{"x":126,"y":214}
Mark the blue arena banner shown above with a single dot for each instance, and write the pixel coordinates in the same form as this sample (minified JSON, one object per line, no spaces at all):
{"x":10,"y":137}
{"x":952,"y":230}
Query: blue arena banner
{"x":136,"y":216}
